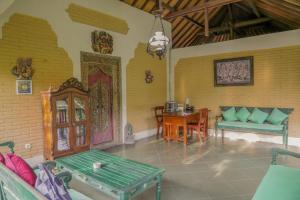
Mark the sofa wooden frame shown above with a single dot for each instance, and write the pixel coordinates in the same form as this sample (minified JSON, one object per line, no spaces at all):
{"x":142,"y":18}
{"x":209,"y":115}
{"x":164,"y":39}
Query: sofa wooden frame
{"x":259,"y":194}
{"x":283,"y":132}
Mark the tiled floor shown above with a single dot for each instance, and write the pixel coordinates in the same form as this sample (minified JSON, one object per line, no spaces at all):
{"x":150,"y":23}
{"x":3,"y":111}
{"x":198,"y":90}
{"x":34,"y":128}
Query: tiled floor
{"x":209,"y":171}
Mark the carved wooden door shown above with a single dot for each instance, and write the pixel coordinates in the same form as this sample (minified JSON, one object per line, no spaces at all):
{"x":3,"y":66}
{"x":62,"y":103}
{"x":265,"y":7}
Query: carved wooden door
{"x":101,"y":101}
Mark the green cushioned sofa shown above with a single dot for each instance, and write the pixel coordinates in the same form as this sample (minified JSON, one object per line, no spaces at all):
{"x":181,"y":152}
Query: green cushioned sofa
{"x":277,"y":129}
{"x":280,"y":182}
{"x":12,"y":187}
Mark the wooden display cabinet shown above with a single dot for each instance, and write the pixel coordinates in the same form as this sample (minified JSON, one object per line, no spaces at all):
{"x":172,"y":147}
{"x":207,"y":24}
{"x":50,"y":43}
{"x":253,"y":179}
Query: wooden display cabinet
{"x":66,"y":120}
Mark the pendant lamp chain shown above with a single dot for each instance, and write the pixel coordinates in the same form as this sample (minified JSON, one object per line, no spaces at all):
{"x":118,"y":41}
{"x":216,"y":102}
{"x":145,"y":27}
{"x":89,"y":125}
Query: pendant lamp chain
{"x":158,"y":42}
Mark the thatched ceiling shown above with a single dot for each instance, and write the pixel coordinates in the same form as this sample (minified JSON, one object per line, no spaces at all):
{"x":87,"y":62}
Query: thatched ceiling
{"x":226,"y":19}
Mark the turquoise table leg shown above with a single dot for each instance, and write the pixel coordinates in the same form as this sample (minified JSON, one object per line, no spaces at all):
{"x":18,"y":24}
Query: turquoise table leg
{"x":124,"y":196}
{"x":158,"y":188}
{"x":2,"y":193}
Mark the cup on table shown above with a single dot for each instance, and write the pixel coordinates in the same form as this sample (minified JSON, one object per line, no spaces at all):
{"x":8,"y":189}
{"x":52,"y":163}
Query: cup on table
{"x":97,"y":165}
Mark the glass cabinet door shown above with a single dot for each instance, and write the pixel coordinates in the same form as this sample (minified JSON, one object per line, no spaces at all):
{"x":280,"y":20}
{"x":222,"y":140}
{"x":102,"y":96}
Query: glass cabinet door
{"x":63,"y":139}
{"x":80,"y":118}
{"x":62,"y":110}
{"x":80,"y":135}
{"x":62,"y":115}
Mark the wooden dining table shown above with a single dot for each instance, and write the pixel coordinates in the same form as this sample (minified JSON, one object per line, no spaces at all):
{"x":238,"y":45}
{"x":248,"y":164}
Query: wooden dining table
{"x":172,"y":121}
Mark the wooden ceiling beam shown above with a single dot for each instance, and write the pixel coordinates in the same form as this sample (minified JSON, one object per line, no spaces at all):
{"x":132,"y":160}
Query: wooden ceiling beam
{"x":182,"y":26}
{"x":230,"y":22}
{"x":174,"y":9}
{"x":144,"y":4}
{"x":185,"y":29}
{"x":240,"y":24}
{"x":286,"y":4}
{"x":280,"y":13}
{"x":194,"y":34}
{"x":209,"y":4}
{"x":279,"y":9}
{"x":243,"y":7}
{"x":253,"y":7}
{"x":134,"y":3}
{"x":206,"y":22}
{"x":190,"y":39}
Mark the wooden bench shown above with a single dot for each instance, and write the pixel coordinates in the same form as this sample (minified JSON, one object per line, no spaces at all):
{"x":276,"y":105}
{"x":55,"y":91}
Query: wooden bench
{"x":281,"y":129}
{"x":280,"y":182}
{"x":12,"y":187}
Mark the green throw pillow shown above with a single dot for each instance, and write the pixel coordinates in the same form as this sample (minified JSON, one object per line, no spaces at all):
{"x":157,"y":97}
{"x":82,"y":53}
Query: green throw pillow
{"x":229,"y":115}
{"x":277,"y":117}
{"x":243,"y":114}
{"x":258,"y":116}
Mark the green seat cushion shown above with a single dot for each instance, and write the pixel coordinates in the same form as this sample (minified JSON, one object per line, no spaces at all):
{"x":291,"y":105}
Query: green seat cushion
{"x":229,"y":115}
{"x":280,"y":183}
{"x":243,"y":114}
{"x":258,"y":116}
{"x":249,"y":125}
{"x":277,"y":116}
{"x":75,"y":195}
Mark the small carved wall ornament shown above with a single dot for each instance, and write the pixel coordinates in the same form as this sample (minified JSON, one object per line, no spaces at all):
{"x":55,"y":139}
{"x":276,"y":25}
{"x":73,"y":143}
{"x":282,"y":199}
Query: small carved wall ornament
{"x":129,"y":136}
{"x":148,"y":77}
{"x":102,"y":42}
{"x":23,"y":69}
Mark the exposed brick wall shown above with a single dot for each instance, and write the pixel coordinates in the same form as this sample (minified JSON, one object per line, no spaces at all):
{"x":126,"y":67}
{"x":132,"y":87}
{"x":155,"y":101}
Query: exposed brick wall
{"x":21,"y":116}
{"x":276,"y":82}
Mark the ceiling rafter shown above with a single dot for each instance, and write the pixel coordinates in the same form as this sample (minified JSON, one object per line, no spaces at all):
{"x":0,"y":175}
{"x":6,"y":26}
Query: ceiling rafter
{"x":174,"y":9}
{"x":134,"y":2}
{"x":212,"y":14}
{"x":209,"y":4}
{"x":185,"y":26}
{"x":242,"y":18}
{"x":240,"y":24}
{"x":253,"y":7}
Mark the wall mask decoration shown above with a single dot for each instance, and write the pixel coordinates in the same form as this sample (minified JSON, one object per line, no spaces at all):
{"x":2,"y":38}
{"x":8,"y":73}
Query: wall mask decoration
{"x":148,"y":77}
{"x":234,"y":71}
{"x":102,"y":42}
{"x":23,"y":69}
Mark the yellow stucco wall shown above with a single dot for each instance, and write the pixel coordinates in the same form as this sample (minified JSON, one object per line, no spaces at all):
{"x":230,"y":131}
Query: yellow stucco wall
{"x":98,"y":19}
{"x":141,"y":97}
{"x":21,"y":115}
{"x":276,"y":83}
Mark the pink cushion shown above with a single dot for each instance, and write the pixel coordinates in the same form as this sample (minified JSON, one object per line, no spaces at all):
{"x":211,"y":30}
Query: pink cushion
{"x":2,"y":159}
{"x":20,"y":167}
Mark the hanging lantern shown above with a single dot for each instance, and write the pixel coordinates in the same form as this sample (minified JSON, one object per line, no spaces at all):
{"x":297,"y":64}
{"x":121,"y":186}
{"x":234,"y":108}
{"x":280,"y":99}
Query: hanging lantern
{"x":158,"y":42}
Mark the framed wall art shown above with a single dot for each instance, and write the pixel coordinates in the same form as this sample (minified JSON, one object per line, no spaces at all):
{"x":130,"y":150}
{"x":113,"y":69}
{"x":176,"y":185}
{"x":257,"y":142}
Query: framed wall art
{"x":234,"y":71}
{"x":23,"y":87}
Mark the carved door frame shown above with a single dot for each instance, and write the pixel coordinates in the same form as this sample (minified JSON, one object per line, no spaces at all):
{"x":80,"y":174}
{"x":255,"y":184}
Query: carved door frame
{"x":112,"y":67}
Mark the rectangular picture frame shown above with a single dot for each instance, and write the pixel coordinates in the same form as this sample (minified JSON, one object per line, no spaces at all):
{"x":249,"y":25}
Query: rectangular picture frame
{"x":234,"y":72}
{"x":24,"y":87}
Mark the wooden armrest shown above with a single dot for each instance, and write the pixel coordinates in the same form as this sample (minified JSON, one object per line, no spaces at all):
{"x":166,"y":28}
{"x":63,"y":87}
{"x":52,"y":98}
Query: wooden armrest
{"x":10,"y":145}
{"x":285,"y":122}
{"x":65,"y":177}
{"x":278,"y":151}
{"x":49,"y":164}
{"x":219,"y":117}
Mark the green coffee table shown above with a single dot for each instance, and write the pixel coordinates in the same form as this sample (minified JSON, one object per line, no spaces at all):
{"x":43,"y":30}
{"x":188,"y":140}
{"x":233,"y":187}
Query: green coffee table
{"x":119,"y":178}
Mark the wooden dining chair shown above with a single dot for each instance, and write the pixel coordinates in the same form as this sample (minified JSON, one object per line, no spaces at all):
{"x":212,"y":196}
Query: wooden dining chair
{"x":158,"y":111}
{"x":200,"y":126}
